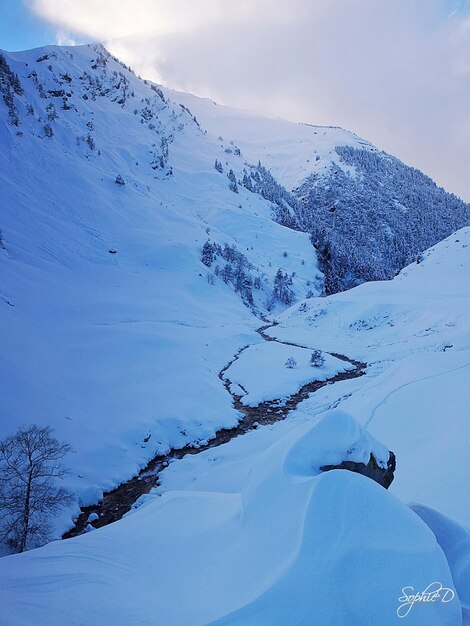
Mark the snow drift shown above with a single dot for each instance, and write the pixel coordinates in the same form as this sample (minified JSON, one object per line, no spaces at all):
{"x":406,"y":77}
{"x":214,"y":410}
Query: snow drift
{"x":294,"y":547}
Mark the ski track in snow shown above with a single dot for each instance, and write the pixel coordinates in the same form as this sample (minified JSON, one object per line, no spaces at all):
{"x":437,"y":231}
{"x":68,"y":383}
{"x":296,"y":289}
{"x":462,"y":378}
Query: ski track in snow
{"x":408,"y":384}
{"x":120,"y":500}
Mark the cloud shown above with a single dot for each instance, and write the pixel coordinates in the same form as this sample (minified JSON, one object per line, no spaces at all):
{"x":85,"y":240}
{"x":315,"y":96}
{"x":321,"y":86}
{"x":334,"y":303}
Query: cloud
{"x":64,"y":39}
{"x":394,"y":71}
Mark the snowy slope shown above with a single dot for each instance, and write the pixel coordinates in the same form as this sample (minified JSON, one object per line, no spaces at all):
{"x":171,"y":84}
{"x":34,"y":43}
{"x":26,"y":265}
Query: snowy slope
{"x":115,"y":332}
{"x":295,"y":547}
{"x":252,"y":533}
{"x":368,"y":213}
{"x":111,"y":330}
{"x":414,"y":332}
{"x":291,"y":151}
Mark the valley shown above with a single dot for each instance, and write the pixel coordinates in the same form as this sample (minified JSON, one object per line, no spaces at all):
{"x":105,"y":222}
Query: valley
{"x":211,"y":306}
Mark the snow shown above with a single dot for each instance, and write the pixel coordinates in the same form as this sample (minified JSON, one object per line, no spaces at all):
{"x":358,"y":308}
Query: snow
{"x":90,"y":495}
{"x":290,"y":150}
{"x":257,"y":554}
{"x":110,"y":348}
{"x":261,"y":372}
{"x":425,"y":422}
{"x":335,"y":437}
{"x":455,"y":542}
{"x":423,"y":309}
{"x":355,"y":537}
{"x":414,"y":333}
{"x":121,"y":353}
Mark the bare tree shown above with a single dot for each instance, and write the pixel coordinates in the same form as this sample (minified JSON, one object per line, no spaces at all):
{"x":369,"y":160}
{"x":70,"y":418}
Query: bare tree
{"x":30,"y":464}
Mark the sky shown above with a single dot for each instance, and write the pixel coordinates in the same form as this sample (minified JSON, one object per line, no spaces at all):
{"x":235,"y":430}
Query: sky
{"x":396,"y":72}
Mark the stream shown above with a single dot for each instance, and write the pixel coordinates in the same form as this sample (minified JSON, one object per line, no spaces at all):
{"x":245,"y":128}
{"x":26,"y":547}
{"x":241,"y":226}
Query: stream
{"x":118,"y":501}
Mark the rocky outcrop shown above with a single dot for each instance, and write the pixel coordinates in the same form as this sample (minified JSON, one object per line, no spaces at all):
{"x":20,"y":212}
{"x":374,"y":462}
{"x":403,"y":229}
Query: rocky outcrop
{"x":381,"y":475}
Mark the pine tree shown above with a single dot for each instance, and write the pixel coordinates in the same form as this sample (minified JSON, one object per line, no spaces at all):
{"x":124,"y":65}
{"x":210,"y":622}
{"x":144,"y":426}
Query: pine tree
{"x":233,"y":181}
{"x":281,"y":289}
{"x":207,"y":255}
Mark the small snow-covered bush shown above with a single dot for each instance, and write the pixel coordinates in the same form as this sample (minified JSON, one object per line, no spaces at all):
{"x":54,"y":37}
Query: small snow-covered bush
{"x":317,"y":359}
{"x":90,"y":142}
{"x":120,"y":180}
{"x":48,"y":130}
{"x":291,"y":363}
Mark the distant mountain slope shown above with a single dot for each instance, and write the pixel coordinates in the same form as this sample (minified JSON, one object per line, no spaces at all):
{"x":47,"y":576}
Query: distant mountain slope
{"x":369,"y":223}
{"x":368,"y":213}
{"x":290,"y":151}
{"x":85,"y":104}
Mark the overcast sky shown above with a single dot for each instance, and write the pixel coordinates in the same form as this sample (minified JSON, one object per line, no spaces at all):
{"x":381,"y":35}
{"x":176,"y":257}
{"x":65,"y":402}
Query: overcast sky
{"x":396,"y":72}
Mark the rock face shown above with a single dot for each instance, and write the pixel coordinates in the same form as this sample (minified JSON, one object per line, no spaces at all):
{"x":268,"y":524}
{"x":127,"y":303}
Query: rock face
{"x":381,"y":475}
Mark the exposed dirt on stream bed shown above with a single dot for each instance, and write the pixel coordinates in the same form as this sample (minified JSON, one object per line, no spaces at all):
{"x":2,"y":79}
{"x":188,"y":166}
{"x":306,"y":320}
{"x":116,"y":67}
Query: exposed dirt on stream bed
{"x":118,"y":501}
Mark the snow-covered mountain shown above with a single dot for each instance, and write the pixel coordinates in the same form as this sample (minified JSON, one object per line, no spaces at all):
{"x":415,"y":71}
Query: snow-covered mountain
{"x":368,"y":213}
{"x":145,"y":236}
{"x":109,"y":316}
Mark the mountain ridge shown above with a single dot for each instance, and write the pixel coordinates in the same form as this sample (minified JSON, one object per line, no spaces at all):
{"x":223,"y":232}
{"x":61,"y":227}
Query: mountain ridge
{"x":350,"y":194}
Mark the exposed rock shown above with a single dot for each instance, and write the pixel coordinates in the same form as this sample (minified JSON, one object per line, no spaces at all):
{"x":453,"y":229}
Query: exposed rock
{"x":381,"y":475}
